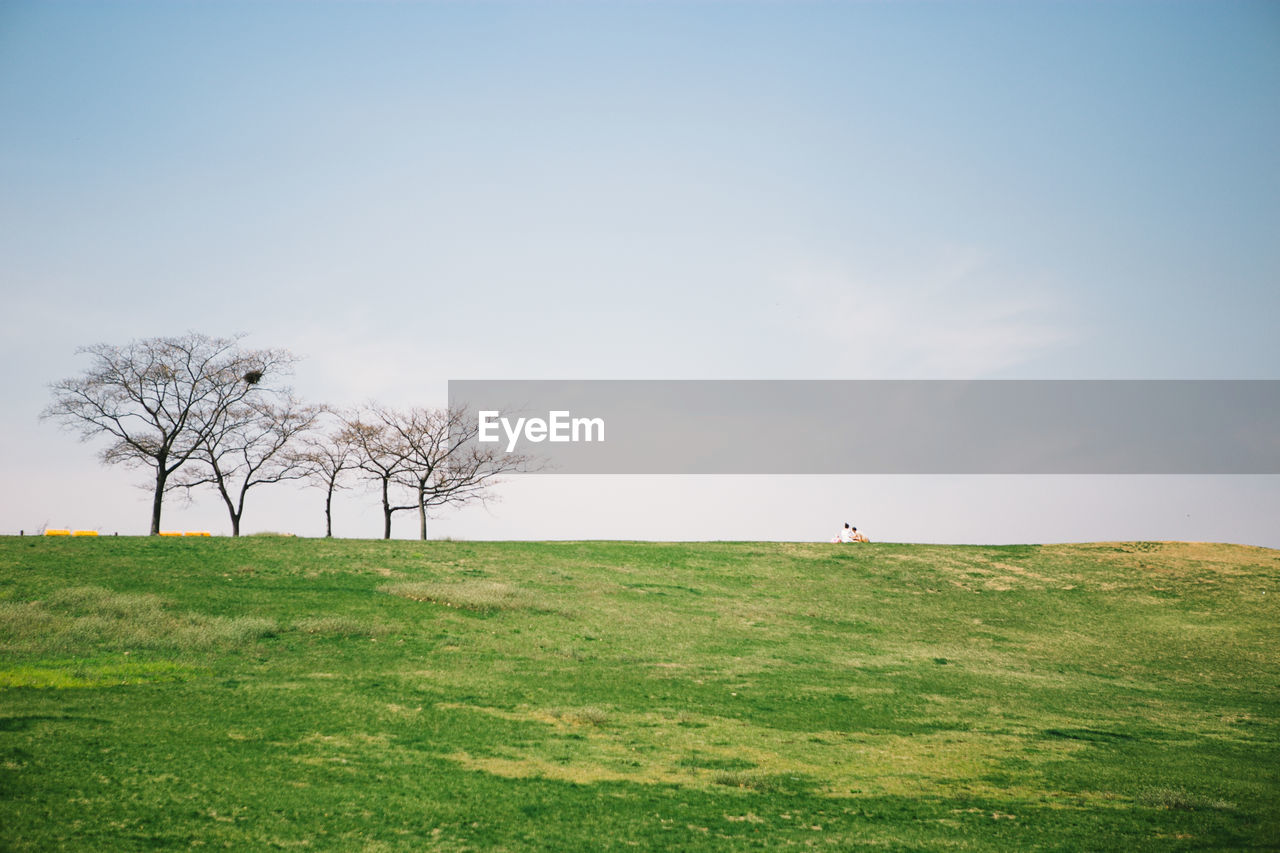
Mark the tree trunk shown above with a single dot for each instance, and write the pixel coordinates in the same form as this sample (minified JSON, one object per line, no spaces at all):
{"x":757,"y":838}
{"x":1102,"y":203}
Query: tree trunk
{"x":422,"y":512}
{"x":157,"y":501}
{"x":386,"y":511}
{"x":230,"y":504}
{"x":328,"y":516}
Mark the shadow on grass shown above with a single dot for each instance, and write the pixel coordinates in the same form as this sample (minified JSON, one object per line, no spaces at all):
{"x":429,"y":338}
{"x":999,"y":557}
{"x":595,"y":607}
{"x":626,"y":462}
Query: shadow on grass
{"x":25,"y":723}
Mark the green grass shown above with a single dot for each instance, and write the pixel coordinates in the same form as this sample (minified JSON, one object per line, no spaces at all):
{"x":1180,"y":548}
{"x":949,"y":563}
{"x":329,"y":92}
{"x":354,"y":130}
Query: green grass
{"x":275,"y":692}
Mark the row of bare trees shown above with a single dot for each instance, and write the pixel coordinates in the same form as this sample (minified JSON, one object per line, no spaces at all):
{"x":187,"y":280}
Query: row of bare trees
{"x":204,"y":412}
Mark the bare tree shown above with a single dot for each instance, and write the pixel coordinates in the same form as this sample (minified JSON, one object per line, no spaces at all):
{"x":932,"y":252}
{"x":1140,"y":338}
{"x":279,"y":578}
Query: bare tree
{"x":327,"y":457}
{"x":159,"y":399}
{"x":443,"y":464}
{"x":380,"y":455}
{"x":429,"y":452}
{"x":254,"y":444}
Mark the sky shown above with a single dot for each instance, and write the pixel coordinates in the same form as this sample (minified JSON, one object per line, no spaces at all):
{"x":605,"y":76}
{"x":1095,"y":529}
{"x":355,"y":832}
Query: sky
{"x":405,"y":193}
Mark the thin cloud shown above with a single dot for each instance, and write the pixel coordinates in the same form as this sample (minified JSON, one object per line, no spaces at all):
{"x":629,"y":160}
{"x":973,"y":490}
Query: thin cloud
{"x":960,"y":316}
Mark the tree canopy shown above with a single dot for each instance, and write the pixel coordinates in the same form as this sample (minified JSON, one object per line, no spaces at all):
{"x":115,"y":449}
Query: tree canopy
{"x":159,"y":400}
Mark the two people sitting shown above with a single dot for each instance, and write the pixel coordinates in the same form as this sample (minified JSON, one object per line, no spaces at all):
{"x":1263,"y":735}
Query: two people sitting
{"x":850,"y":534}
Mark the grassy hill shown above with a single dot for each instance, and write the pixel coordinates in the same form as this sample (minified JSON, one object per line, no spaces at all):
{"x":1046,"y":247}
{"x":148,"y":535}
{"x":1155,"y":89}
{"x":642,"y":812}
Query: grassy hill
{"x":358,"y":695}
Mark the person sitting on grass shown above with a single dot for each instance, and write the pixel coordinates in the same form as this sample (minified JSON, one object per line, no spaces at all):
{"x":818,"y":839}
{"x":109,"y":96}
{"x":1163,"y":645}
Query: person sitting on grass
{"x":859,"y":537}
{"x":846,"y":535}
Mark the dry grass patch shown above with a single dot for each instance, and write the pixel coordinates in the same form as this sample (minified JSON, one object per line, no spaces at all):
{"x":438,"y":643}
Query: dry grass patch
{"x":1181,"y":800}
{"x":478,"y":596}
{"x":83,"y":620}
{"x":592,"y":715}
{"x":338,"y":626}
{"x":718,"y":752}
{"x":1175,"y":560}
{"x":765,"y":783}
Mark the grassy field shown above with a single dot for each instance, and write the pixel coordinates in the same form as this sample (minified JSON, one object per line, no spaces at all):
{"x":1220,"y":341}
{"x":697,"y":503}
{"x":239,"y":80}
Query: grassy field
{"x":360,"y":695}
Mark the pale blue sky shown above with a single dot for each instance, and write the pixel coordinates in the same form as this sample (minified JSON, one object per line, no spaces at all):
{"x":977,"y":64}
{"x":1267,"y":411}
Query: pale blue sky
{"x":410,"y":192}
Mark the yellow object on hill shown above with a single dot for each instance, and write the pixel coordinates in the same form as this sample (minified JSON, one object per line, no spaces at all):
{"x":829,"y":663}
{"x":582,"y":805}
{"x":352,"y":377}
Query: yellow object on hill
{"x":170,"y":533}
{"x":85,"y":533}
{"x":197,"y":533}
{"x":57,"y":533}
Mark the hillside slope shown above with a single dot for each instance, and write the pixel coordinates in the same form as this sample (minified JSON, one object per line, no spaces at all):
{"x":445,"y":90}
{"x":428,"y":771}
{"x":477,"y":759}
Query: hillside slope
{"x":349,"y":694}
